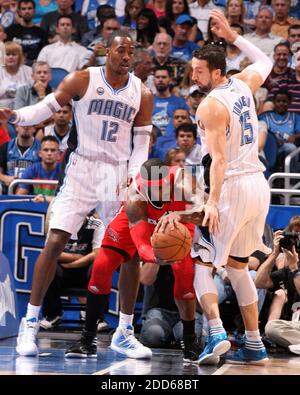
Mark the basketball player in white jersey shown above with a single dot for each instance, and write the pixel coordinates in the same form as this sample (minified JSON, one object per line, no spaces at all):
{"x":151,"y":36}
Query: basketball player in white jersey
{"x":238,"y":199}
{"x":108,"y":103}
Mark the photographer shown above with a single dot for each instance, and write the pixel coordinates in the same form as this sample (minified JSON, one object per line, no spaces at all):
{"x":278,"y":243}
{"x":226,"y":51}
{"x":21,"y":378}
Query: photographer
{"x":283,"y":332}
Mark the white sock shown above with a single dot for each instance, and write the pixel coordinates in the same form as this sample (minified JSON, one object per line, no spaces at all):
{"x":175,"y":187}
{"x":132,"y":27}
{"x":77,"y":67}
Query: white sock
{"x":253,"y":336}
{"x":32,"y":312}
{"x":125,"y":320}
{"x":215,"y":326}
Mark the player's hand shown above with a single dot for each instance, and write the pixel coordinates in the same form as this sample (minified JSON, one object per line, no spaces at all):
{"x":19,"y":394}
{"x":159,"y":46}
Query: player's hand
{"x":5,"y":114}
{"x":221,"y":28}
{"x":211,"y":217}
{"x":171,"y":219}
{"x":162,"y":262}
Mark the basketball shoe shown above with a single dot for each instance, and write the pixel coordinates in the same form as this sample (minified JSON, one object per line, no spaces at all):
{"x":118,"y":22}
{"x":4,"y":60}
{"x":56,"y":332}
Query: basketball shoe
{"x":216,"y":345}
{"x":86,"y":347}
{"x":191,"y":349}
{"x":124,"y":342}
{"x":249,"y":356}
{"x":26,"y":340}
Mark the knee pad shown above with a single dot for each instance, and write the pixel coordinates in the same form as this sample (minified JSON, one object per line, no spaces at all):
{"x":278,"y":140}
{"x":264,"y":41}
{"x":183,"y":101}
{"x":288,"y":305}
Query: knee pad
{"x":243,"y":285}
{"x":203,"y":281}
{"x":106,"y":262}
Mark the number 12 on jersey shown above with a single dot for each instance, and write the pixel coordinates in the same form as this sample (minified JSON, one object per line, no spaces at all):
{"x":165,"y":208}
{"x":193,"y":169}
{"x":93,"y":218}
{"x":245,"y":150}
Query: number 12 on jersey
{"x":247,"y":129}
{"x":109,"y":131}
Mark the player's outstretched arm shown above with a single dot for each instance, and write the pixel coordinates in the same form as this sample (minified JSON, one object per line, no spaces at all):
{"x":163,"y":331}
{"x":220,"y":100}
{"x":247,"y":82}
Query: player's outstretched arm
{"x":73,"y":85}
{"x":141,"y":133}
{"x":255,"y":74}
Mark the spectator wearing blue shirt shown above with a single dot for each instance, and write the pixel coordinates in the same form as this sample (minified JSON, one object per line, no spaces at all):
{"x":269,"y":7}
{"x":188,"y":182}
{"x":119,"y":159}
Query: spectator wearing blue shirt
{"x":183,"y":48}
{"x":46,"y":169}
{"x":164,"y":103}
{"x":285,"y":126}
{"x":18,"y":154}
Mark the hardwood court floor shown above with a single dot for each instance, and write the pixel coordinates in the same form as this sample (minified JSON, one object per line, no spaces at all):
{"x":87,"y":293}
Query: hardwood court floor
{"x":51,"y":361}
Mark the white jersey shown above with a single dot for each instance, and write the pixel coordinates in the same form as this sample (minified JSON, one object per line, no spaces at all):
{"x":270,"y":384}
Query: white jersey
{"x":242,"y":133}
{"x":104,"y":118}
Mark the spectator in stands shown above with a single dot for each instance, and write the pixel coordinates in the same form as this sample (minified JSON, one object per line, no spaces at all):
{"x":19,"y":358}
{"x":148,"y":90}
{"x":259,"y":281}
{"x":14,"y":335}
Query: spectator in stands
{"x":64,"y":8}
{"x":46,"y":169}
{"x":262,"y":36}
{"x":175,"y":8}
{"x":132,"y":10}
{"x":97,"y":48}
{"x":61,"y":128}
{"x":152,"y":142}
{"x":158,"y":7}
{"x":294,"y":41}
{"x":32,"y":38}
{"x":164,"y":103}
{"x":8,"y":13}
{"x":162,"y":323}
{"x":282,"y":21}
{"x":280,"y":72}
{"x":32,"y":93}
{"x":285,"y":126}
{"x":186,"y":137}
{"x":43,"y":7}
{"x":18,"y":154}
{"x":183,"y":88}
{"x":175,"y":157}
{"x":143,"y":66}
{"x":147,"y":27}
{"x":182,"y":47}
{"x":161,"y":51}
{"x":286,"y":278}
{"x":103,"y":13}
{"x":251,"y":10}
{"x":73,"y":269}
{"x":200,"y":10}
{"x":193,"y":100}
{"x":64,"y":53}
{"x":13,"y":74}
{"x":292,"y":85}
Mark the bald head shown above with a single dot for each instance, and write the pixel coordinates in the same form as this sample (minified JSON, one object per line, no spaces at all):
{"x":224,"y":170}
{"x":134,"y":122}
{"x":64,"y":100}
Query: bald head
{"x":162,"y":45}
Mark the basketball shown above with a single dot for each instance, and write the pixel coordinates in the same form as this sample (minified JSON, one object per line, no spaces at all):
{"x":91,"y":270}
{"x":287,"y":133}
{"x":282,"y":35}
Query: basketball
{"x":172,"y":245}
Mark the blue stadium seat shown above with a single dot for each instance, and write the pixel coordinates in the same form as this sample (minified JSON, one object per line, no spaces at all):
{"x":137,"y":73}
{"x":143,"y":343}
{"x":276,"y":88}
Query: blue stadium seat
{"x":271,"y":153}
{"x":58,"y":75}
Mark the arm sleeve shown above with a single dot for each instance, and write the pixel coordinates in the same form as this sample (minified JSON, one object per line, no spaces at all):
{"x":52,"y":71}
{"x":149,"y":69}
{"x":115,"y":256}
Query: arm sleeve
{"x":141,"y":235}
{"x":141,"y":138}
{"x":261,"y":63}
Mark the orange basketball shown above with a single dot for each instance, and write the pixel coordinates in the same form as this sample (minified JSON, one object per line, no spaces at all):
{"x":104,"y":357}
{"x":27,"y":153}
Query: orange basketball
{"x":172,"y":245}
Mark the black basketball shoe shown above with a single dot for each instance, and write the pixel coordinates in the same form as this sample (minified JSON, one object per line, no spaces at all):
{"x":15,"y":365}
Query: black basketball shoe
{"x":191,"y":349}
{"x":86,"y":347}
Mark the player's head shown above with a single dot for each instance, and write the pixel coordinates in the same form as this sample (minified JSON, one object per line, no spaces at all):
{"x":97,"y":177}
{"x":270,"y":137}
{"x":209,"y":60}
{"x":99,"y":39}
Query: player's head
{"x":209,"y":67}
{"x":155,"y":181}
{"x":119,"y":52}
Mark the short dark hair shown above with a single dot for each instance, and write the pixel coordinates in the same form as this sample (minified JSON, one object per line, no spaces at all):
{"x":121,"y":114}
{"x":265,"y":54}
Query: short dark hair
{"x":282,"y":92}
{"x":49,"y":138}
{"x":25,"y":1}
{"x":187,"y":128}
{"x":163,"y":67}
{"x":214,"y":55}
{"x":294,"y":26}
{"x":115,"y":34}
{"x":239,"y":26}
{"x":64,"y":16}
{"x":159,"y":164}
{"x":282,"y":44}
{"x":104,"y":12}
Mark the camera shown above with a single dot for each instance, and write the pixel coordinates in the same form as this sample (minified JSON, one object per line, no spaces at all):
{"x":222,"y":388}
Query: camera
{"x":289,"y":240}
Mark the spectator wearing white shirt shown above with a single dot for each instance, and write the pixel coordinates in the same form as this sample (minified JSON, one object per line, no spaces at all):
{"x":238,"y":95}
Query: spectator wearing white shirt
{"x":262,"y":36}
{"x":65,"y":53}
{"x":200,"y":9}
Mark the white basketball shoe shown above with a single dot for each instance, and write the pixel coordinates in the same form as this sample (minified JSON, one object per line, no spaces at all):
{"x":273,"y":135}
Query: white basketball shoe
{"x":124,"y":342}
{"x":26,"y":341}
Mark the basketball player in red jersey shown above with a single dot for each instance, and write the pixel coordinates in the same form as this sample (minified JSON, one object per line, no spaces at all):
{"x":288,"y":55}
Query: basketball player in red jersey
{"x":152,"y":194}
